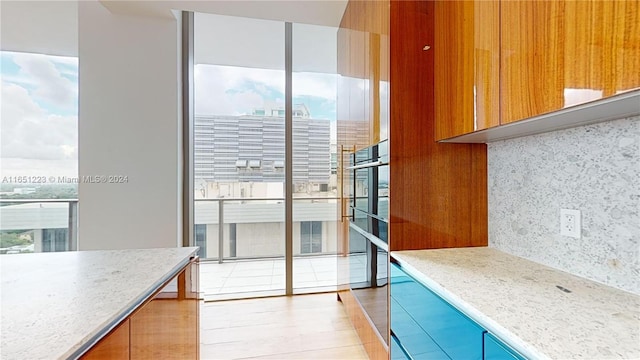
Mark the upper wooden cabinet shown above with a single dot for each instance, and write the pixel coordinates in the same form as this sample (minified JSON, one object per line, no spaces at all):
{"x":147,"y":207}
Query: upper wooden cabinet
{"x":363,"y":65}
{"x":467,"y":66}
{"x":556,"y":54}
{"x":499,"y":62}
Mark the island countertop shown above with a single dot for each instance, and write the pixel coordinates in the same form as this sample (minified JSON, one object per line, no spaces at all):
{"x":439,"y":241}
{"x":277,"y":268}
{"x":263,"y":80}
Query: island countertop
{"x":54,"y":304}
{"x":541,"y":311}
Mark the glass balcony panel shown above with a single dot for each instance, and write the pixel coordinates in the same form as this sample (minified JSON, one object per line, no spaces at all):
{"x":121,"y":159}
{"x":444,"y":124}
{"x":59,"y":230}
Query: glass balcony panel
{"x":37,"y":225}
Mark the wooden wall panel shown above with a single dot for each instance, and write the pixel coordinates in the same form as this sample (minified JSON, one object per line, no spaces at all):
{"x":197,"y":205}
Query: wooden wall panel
{"x":114,"y":346}
{"x":433,"y":187}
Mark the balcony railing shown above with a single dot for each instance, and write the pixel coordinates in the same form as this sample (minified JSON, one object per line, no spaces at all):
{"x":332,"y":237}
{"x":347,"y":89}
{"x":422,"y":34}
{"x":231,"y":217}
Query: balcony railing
{"x":253,"y":228}
{"x":40,"y":224}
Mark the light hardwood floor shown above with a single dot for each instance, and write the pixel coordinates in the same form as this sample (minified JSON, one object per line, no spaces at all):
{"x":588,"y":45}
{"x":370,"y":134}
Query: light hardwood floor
{"x":299,"y":327}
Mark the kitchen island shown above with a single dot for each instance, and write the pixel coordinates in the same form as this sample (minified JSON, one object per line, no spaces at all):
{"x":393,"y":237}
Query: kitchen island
{"x":90,"y":304}
{"x":539,"y":311}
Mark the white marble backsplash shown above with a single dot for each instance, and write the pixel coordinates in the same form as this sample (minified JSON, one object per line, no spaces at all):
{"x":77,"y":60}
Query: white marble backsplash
{"x":594,"y":169}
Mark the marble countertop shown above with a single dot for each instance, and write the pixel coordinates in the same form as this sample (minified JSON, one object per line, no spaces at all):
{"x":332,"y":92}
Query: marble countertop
{"x":519,"y":301}
{"x":54,"y":304}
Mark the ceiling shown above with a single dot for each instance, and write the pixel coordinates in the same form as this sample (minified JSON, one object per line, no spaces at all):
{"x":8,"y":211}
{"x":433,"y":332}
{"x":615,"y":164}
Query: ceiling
{"x":51,"y":27}
{"x":316,"y":12}
{"x":45,"y":27}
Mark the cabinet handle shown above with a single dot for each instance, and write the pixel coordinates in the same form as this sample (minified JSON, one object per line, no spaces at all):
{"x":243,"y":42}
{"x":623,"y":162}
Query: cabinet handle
{"x":426,"y":47}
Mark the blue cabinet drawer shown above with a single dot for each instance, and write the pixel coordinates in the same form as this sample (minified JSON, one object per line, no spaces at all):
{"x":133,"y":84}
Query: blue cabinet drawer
{"x":397,"y":353}
{"x":495,"y":349}
{"x":423,"y":322}
{"x":415,"y":341}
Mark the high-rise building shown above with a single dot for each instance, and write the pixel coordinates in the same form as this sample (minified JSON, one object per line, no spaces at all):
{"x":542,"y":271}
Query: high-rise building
{"x":251,"y":148}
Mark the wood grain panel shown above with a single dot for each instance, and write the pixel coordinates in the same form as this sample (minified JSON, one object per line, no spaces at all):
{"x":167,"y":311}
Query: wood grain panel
{"x":168,"y":326}
{"x":602,"y":49}
{"x":433,"y":187}
{"x":479,"y":200}
{"x":165,"y":329}
{"x":626,"y":42}
{"x":467,"y":58}
{"x":532,"y":60}
{"x":557,"y":54}
{"x":371,"y":340}
{"x":114,"y":346}
{"x":384,"y":69}
{"x":486,"y":63}
{"x":376,"y":15}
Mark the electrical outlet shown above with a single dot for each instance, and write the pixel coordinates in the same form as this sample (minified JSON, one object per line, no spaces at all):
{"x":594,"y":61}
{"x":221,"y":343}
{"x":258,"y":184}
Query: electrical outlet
{"x":570,"y":223}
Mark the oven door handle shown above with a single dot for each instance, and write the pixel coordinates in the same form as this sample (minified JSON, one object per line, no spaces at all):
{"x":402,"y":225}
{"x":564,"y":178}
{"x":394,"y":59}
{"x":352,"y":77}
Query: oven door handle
{"x":367,"y":165}
{"x":342,"y":170}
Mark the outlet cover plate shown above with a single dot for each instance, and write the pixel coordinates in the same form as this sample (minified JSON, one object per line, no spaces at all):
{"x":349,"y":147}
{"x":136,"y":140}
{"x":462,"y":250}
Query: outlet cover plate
{"x":570,"y":224}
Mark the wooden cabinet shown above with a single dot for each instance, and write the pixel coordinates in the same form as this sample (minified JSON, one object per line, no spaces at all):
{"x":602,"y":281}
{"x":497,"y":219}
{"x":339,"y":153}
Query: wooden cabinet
{"x":498,"y":62}
{"x":114,"y":346}
{"x":466,"y":52}
{"x":164,"y":327}
{"x":437,"y":192}
{"x":556,"y":54}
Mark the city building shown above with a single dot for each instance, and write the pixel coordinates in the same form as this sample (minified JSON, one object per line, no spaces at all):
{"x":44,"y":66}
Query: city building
{"x":247,"y":149}
{"x":243,"y":157}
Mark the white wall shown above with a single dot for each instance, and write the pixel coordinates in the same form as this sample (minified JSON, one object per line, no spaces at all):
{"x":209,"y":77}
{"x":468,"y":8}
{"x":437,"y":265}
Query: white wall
{"x":594,"y":169}
{"x":128,"y":126}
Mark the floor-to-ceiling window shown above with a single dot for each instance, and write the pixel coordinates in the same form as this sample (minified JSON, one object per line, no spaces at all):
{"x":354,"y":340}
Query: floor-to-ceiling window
{"x":314,"y":87}
{"x":39,"y":159}
{"x":240,"y":162}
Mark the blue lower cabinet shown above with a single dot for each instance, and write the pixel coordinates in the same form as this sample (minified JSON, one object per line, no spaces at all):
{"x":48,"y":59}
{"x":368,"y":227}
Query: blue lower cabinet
{"x":397,"y":353}
{"x":428,"y":327}
{"x":495,"y":349}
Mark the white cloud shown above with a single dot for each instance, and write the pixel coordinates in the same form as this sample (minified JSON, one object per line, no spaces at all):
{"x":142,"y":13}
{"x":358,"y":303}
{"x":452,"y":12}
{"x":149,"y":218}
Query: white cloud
{"x":315,"y":84}
{"x":35,"y":138}
{"x":29,"y":132}
{"x":50,"y":85}
{"x":212,"y":83}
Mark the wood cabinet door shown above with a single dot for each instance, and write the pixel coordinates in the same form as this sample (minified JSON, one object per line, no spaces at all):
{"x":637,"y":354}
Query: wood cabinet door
{"x":168,"y":326}
{"x":556,"y":54}
{"x":467,"y":66}
{"x":114,"y":346}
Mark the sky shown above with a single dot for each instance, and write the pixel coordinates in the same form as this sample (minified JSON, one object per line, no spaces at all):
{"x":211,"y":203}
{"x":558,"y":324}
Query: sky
{"x":39,"y":106}
{"x":38,"y":115}
{"x":228,"y":90}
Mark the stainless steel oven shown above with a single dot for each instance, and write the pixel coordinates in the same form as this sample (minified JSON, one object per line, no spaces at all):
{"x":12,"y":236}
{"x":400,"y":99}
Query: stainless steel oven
{"x":368,"y":232}
{"x":369,"y":203}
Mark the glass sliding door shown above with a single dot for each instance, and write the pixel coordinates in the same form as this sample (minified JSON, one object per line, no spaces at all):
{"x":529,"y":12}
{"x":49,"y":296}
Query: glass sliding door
{"x":239,"y":155}
{"x":314,"y":158}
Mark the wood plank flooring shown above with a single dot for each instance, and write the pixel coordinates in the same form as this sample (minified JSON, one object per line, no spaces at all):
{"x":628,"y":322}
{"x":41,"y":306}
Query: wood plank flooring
{"x":298,"y":327}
